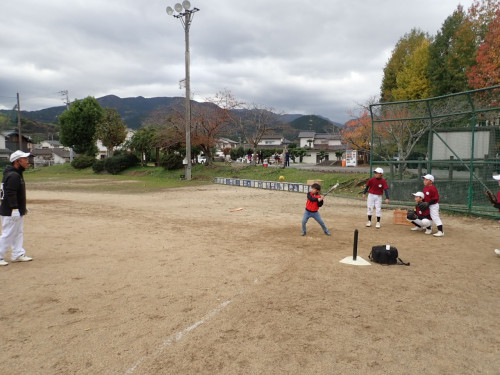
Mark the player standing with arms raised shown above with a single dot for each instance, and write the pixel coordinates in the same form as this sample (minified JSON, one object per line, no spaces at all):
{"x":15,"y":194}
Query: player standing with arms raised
{"x":376,"y":186}
{"x":432,"y":197}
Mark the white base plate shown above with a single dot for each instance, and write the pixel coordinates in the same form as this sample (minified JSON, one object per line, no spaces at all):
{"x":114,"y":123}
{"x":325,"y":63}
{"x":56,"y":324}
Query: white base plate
{"x":358,"y":262}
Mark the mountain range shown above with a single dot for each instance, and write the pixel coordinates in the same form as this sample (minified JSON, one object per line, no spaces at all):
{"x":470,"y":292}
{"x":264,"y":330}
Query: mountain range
{"x":134,"y":111}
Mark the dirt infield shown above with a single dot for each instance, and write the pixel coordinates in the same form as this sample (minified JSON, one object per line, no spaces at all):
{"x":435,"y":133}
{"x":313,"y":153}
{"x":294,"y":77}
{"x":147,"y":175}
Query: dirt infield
{"x":175,"y":283}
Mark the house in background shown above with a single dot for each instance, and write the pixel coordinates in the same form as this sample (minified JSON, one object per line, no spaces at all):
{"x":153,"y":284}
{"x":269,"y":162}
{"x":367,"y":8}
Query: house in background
{"x":273,"y":141}
{"x":12,"y":141}
{"x":4,"y":151}
{"x":223,"y":143}
{"x":44,"y":157}
{"x":318,"y":144}
{"x":49,"y":144}
{"x":102,"y":151}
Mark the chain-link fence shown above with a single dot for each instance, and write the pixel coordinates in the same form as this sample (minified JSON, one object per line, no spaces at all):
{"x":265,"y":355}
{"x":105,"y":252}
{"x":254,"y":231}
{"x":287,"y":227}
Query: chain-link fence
{"x":456,"y":138}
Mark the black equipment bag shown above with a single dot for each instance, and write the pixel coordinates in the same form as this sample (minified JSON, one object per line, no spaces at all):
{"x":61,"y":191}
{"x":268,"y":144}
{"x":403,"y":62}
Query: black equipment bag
{"x":385,"y":254}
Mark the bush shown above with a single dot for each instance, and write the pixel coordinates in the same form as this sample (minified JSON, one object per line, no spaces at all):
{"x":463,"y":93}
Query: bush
{"x":172,"y":162}
{"x":98,"y":166}
{"x":83,"y":162}
{"x":119,"y":163}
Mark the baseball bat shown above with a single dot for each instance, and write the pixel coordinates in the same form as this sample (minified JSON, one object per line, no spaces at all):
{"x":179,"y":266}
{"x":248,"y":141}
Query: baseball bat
{"x":331,"y":189}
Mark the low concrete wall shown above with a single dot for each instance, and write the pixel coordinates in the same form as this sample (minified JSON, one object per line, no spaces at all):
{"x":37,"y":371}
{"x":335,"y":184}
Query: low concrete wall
{"x":270,"y":185}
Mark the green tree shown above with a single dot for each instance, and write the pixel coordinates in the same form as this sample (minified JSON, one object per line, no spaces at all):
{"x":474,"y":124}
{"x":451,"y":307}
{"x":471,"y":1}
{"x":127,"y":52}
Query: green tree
{"x":450,"y":54}
{"x":412,"y":81}
{"x":404,"y":48}
{"x":78,"y":125}
{"x":111,"y":131}
{"x":143,"y":142}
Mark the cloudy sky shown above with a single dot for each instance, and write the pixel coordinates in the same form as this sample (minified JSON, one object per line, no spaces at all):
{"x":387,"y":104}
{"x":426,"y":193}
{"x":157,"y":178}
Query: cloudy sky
{"x":310,"y":57}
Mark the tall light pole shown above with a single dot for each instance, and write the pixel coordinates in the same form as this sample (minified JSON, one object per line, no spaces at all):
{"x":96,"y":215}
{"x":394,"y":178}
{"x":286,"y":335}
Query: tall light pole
{"x":185,"y":14}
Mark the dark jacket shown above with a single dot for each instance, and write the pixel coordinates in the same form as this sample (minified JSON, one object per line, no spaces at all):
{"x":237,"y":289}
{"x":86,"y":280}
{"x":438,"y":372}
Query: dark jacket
{"x":14,"y":191}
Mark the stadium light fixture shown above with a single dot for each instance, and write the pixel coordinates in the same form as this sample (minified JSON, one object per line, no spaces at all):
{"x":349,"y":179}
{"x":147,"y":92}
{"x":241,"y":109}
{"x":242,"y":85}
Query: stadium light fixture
{"x":185,"y":14}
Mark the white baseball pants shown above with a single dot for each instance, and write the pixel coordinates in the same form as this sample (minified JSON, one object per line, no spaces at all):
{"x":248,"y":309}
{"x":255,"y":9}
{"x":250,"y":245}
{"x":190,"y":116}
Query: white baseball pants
{"x":434,"y":211}
{"x":419,"y":223}
{"x":12,"y":236}
{"x":374,"y":200}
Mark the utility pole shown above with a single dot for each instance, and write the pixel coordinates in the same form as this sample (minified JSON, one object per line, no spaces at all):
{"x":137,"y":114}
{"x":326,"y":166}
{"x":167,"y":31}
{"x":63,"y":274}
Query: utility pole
{"x":19,"y":122}
{"x":64,"y":93}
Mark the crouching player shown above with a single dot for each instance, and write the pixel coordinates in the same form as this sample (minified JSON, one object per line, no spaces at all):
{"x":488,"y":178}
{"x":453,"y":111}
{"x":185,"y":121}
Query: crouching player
{"x":422,"y":217}
{"x":495,"y":201}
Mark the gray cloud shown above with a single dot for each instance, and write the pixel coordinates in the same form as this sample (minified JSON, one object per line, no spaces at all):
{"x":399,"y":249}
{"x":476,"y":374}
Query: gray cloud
{"x":318,"y":57}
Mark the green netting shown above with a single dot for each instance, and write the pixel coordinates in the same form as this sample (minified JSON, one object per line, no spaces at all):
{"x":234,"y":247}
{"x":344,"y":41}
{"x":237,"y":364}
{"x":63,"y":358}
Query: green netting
{"x":456,"y":138}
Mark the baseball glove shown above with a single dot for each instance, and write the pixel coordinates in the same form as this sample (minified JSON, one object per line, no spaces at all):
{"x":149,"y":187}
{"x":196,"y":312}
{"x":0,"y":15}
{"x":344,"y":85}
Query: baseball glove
{"x":491,"y":197}
{"x":411,"y":215}
{"x":423,"y":206}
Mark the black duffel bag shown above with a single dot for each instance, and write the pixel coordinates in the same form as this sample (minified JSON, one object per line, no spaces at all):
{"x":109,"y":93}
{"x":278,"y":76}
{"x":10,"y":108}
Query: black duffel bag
{"x":386,"y":254}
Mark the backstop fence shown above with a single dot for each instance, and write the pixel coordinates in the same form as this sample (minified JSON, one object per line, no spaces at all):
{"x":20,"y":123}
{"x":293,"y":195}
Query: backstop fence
{"x":456,"y":138}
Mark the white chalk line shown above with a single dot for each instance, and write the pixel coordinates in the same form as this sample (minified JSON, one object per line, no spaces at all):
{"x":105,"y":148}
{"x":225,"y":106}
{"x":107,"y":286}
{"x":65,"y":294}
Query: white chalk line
{"x":172,"y":339}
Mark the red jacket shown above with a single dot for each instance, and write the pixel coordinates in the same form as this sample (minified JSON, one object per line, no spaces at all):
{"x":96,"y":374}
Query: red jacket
{"x":312,"y":203}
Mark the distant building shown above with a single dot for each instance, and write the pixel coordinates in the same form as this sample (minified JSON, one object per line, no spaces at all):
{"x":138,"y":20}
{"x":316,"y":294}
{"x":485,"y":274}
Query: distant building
{"x":223,"y":143}
{"x":44,"y":157}
{"x":273,"y":141}
{"x":4,"y":151}
{"x":49,"y":144}
{"x":102,"y":151}
{"x":315,"y":143}
{"x":12,"y":141}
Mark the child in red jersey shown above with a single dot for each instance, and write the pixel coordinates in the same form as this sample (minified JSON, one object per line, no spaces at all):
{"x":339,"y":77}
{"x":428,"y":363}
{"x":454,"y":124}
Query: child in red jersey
{"x":423,"y":220}
{"x":314,"y":202}
{"x":375,"y":187}
{"x":496,"y":203}
{"x":432,"y":197}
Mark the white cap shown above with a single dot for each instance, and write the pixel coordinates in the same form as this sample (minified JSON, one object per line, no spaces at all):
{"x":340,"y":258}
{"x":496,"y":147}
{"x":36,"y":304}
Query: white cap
{"x":379,"y":170}
{"x":419,"y":194}
{"x":496,"y":177}
{"x":428,"y":177}
{"x":17,"y":155}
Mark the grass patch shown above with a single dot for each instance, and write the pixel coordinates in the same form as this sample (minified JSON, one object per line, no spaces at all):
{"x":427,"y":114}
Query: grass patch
{"x":149,"y":179}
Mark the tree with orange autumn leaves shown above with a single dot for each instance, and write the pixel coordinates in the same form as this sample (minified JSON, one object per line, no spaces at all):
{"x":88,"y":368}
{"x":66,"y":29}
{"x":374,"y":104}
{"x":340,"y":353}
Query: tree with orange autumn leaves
{"x":357,"y":133}
{"x":210,"y":120}
{"x":390,"y":136}
{"x":486,"y":72}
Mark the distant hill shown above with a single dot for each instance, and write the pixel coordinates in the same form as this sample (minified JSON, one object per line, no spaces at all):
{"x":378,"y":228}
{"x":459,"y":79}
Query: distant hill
{"x":315,"y":123}
{"x":134,"y":111}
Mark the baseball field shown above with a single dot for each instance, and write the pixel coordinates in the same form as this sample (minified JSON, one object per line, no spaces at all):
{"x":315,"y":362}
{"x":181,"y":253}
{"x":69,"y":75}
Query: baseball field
{"x":177,"y":282}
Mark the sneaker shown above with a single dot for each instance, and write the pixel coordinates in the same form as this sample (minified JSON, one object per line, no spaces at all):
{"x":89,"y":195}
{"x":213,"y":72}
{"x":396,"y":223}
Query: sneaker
{"x":439,"y":234}
{"x":417,"y":228}
{"x":428,"y":231}
{"x":22,"y":258}
{"x":368,"y":223}
{"x":497,"y":252}
{"x":377,"y":225}
{"x":328,"y":233}
{"x":4,"y":263}
{"x":303,"y":234}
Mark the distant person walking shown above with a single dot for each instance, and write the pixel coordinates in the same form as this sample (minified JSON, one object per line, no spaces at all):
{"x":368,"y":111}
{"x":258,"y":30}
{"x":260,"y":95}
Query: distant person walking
{"x":13,"y":208}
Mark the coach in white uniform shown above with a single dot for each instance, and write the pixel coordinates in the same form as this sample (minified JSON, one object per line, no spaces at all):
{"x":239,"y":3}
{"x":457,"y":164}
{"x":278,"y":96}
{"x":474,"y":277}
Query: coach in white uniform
{"x":13,"y":208}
